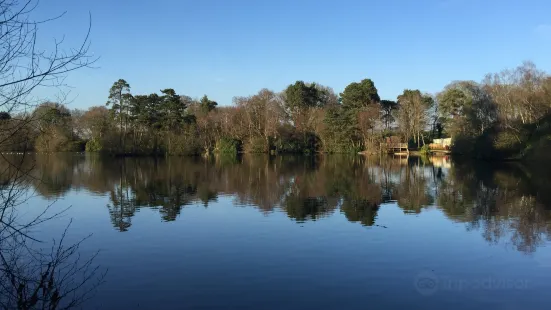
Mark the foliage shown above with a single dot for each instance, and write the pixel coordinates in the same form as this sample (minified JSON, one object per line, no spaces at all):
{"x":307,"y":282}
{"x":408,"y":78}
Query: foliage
{"x":388,"y":108}
{"x":425,"y":150}
{"x":226,"y":145}
{"x":412,"y":114}
{"x":359,"y":95}
{"x":497,"y":118}
{"x":207,"y":105}
{"x":300,"y":96}
{"x":341,"y":134}
{"x":465,"y":108}
{"x":184,"y":144}
{"x":538,"y":147}
{"x":289,"y":141}
{"x":53,"y":124}
{"x":96,"y":123}
{"x":256,"y":145}
{"x":300,"y":99}
{"x":93,"y":145}
{"x":504,"y":117}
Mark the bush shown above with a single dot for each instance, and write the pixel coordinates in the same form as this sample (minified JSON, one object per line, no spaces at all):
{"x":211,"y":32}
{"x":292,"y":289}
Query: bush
{"x":185,"y":144}
{"x":425,"y":150}
{"x":288,"y":145}
{"x":341,"y":147}
{"x":289,"y":141}
{"x":51,"y":141}
{"x":256,"y":145}
{"x":93,"y":145}
{"x":538,"y":146}
{"x":227,"y":146}
{"x":496,"y":143}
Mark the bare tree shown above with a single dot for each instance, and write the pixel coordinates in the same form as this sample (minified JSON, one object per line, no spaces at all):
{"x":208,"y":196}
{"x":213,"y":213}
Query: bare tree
{"x":412,"y":114}
{"x":36,"y":279}
{"x":519,"y":94}
{"x":466,"y":108}
{"x":26,"y":66}
{"x":31,"y":277}
{"x":263,"y":114}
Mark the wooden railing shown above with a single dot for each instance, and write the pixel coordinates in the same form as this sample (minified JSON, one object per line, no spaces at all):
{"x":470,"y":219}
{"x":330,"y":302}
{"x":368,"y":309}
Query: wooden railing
{"x":395,"y":147}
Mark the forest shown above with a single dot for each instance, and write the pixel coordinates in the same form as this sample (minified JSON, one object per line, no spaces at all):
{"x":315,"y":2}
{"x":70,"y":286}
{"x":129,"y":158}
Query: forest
{"x":506,"y":115}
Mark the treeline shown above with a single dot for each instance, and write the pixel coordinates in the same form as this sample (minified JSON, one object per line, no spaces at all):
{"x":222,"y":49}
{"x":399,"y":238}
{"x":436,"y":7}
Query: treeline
{"x":505,"y":115}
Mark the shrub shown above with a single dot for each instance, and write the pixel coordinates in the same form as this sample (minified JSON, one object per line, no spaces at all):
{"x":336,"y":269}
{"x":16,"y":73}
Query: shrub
{"x":538,"y":146}
{"x":256,"y":145}
{"x":227,"y":146}
{"x":425,"y":150}
{"x":290,"y":141}
{"x":93,"y":145}
{"x":341,"y":147}
{"x":51,"y":141}
{"x":185,"y":144}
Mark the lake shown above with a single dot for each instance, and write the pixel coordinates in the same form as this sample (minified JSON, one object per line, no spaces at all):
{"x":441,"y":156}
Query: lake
{"x":329,"y":232}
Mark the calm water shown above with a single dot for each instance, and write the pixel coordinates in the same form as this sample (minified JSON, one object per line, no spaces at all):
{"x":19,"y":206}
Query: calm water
{"x":304,"y":233}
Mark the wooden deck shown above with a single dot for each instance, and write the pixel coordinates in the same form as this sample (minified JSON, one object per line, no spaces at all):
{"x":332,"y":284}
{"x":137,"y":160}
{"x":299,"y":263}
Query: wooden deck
{"x":395,"y":148}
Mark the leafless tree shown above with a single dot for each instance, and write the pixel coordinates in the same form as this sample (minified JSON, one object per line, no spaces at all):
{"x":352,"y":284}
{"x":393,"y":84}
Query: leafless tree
{"x":412,"y":114}
{"x":520,"y":95}
{"x":25,"y":66}
{"x":31,"y":277}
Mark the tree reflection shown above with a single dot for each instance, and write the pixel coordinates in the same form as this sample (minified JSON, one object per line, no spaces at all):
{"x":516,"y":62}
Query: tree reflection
{"x":121,"y":209}
{"x":502,"y":202}
{"x":360,"y":210}
{"x":309,"y":208}
{"x":498,"y":201}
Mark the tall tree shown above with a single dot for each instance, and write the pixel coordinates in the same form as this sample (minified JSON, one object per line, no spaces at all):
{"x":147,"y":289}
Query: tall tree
{"x":412,"y":114}
{"x":341,"y":131}
{"x":262,"y":115}
{"x":326,"y":96}
{"x":206,"y":105}
{"x":361,"y":102}
{"x":466,"y":108}
{"x":174,"y":113}
{"x":95,"y":122}
{"x":519,"y":95}
{"x":54,"y":126}
{"x":388,"y":107}
{"x":119,"y":99}
{"x":146,"y":111}
{"x":299,"y":98}
{"x":359,"y":95}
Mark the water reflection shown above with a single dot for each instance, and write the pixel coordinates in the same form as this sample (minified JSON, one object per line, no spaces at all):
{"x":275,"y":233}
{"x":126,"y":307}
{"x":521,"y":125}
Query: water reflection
{"x":502,"y":202}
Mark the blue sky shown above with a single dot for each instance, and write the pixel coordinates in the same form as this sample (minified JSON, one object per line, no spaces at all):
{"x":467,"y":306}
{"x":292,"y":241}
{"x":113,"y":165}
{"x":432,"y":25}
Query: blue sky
{"x":226,"y":48}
